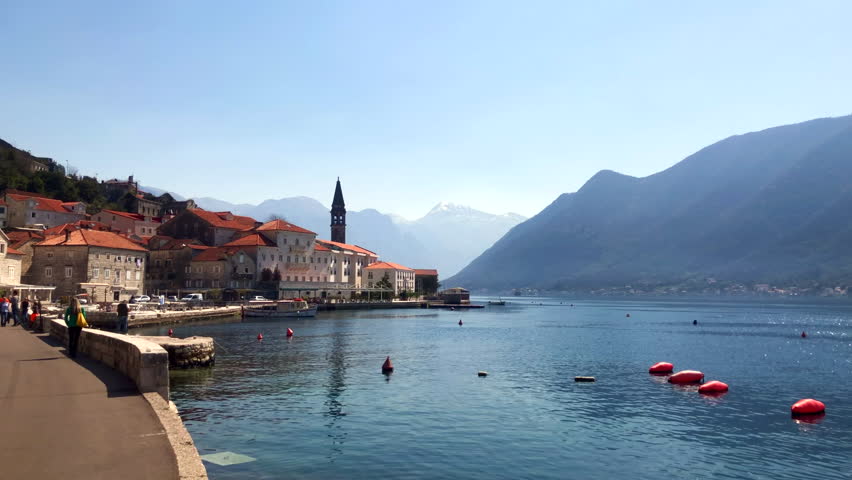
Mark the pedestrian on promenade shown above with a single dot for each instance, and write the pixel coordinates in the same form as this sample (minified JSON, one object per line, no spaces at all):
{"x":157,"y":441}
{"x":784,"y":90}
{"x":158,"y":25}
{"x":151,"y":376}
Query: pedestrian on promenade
{"x":4,"y":311}
{"x":16,"y":312}
{"x":71,"y":314}
{"x":25,"y":312}
{"x":121,"y":320}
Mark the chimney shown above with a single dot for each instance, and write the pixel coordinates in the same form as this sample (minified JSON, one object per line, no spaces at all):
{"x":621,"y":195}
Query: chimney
{"x":67,"y":235}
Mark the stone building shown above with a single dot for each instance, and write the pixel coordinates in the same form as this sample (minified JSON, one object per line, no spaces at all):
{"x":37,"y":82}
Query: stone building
{"x":401,"y":278}
{"x":22,"y":240}
{"x":10,"y":264}
{"x":222,"y":267}
{"x":2,"y":213}
{"x":107,"y":266}
{"x":27,"y":209}
{"x":129,"y":223}
{"x":425,"y":281}
{"x":213,"y":229}
{"x":168,"y":262}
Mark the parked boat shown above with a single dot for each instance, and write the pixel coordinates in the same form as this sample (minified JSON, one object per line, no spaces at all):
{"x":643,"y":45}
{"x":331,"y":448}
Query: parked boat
{"x":282,"y":308}
{"x":497,"y":302}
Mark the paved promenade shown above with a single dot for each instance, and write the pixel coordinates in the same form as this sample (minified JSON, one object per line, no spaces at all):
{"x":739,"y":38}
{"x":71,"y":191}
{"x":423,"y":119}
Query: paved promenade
{"x":73,"y":419}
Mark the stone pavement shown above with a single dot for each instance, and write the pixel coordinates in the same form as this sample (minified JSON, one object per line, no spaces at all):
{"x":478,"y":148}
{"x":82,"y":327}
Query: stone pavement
{"x":73,"y":419}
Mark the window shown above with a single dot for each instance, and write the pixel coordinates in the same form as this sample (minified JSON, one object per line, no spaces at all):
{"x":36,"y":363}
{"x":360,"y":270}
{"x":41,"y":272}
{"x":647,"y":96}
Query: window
{"x":129,"y":275}
{"x":2,"y":248}
{"x":106,"y":273}
{"x":288,"y":258}
{"x":188,"y":269}
{"x":48,"y":272}
{"x":96,"y":272}
{"x":68,"y":271}
{"x":157,"y":262}
{"x":242,"y":258}
{"x":285,"y":240}
{"x":199,"y":283}
{"x":11,"y":272}
{"x":303,"y":278}
{"x":297,"y":241}
{"x":137,"y":274}
{"x":33,"y":215}
{"x":188,"y":283}
{"x":288,"y":278}
{"x":280,"y":258}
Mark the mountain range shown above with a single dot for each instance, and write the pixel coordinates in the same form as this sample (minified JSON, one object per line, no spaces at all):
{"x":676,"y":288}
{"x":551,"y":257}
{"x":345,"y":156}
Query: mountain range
{"x":447,"y":238}
{"x":764,"y":207}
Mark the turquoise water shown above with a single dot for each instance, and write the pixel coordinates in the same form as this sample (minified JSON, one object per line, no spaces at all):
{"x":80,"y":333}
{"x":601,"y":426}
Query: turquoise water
{"x":317,"y":406}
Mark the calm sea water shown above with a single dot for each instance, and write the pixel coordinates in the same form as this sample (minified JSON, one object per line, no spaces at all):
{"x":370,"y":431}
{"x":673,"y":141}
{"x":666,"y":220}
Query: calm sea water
{"x":317,"y":406}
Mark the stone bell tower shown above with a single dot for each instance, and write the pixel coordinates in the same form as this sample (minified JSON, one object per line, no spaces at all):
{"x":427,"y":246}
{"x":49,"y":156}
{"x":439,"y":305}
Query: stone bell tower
{"x":338,"y":216}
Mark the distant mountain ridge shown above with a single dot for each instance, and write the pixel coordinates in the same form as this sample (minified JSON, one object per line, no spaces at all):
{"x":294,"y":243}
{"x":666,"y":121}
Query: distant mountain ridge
{"x":446,"y":238}
{"x":763,"y":207}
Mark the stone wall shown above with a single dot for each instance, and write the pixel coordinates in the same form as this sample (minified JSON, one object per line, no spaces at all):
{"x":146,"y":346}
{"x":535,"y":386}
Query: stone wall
{"x":144,"y":362}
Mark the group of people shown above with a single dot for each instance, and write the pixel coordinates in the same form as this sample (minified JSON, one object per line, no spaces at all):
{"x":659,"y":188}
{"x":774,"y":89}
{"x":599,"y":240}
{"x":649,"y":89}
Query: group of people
{"x":15,"y":310}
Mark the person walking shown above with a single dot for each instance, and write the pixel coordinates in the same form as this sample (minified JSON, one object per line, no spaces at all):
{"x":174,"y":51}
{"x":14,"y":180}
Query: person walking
{"x":71,"y":319}
{"x":4,"y":311}
{"x":16,"y":312}
{"x":121,"y":320}
{"x":25,"y":312}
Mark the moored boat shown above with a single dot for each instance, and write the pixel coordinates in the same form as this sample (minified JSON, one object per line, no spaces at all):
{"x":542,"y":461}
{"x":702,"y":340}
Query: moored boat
{"x":282,"y":308}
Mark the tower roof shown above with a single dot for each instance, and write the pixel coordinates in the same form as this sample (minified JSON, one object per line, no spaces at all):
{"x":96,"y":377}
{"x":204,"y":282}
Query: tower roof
{"x":338,"y":196}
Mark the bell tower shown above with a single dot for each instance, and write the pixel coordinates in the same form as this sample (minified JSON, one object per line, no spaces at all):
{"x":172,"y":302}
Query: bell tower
{"x":338,"y":216}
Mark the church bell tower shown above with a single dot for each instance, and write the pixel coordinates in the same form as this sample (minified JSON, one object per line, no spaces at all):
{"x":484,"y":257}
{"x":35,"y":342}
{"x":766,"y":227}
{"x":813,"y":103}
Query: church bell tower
{"x":338,"y":216}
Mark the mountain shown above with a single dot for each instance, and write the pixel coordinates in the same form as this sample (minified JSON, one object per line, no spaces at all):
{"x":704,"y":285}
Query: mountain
{"x":159,"y":191}
{"x":446,"y":238}
{"x":764,"y":207}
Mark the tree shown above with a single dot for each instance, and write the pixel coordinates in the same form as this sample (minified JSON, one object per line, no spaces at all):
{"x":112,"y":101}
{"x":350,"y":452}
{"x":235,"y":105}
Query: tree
{"x":265,"y":275}
{"x":385,"y":283}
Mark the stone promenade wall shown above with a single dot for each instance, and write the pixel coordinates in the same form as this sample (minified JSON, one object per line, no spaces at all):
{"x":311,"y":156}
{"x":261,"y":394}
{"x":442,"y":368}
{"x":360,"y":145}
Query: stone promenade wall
{"x":143,"y":361}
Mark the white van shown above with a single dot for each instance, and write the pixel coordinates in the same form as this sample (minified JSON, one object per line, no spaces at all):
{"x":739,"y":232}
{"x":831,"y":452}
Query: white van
{"x":193,"y":297}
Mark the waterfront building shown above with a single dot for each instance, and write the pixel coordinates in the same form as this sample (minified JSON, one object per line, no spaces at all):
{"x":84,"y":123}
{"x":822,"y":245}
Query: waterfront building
{"x":10,"y":263}
{"x":170,"y":263}
{"x":24,"y":209}
{"x":105,"y":265}
{"x":218,"y":268}
{"x":401,"y":278}
{"x":129,"y":223}
{"x":22,"y":240}
{"x":425,"y":281}
{"x":213,"y":229}
{"x":456,"y":295}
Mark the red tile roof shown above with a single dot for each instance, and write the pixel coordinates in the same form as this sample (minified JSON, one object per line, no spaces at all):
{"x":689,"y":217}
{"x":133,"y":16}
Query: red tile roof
{"x":346,"y":246}
{"x":44,"y":204}
{"x":215,"y":254}
{"x":320,"y":247}
{"x":78,"y":225}
{"x":225,"y":219}
{"x":253,"y":240}
{"x":20,"y":237}
{"x":427,"y":272}
{"x":388,"y":265}
{"x":281,"y":225}
{"x":93,"y":238}
{"x":12,"y":251}
{"x":132,"y":216}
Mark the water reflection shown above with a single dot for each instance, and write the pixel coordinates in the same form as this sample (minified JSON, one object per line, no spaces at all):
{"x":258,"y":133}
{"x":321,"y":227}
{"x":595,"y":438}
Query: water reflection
{"x":336,"y":387}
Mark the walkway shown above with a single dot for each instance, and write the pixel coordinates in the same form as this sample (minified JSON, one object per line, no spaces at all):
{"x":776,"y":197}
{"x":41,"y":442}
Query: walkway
{"x":73,"y":419}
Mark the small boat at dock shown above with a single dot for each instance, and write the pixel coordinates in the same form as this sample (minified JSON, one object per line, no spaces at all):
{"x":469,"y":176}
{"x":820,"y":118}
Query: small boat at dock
{"x":499,"y":301}
{"x":282,"y":308}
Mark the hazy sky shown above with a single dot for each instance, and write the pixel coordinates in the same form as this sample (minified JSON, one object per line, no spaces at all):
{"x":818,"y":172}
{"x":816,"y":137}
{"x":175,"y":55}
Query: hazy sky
{"x":498,"y":105}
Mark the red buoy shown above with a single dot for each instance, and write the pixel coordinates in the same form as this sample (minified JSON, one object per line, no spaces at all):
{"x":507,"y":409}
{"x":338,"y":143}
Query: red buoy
{"x":260,"y":336}
{"x":687,"y":376}
{"x":171,"y":332}
{"x":804,"y":335}
{"x":714,"y":386}
{"x":289,"y":332}
{"x":387,"y":367}
{"x":661,"y":367}
{"x":460,"y":322}
{"x":807,"y":406}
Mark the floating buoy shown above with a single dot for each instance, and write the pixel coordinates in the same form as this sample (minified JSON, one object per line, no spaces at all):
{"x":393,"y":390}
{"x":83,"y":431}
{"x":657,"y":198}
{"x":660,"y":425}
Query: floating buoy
{"x":687,"y":376}
{"x":628,"y":315}
{"x":452,"y":309}
{"x":804,"y":335}
{"x":460,"y":322}
{"x":584,"y":379}
{"x":572,"y":304}
{"x":695,"y":322}
{"x":807,"y":406}
{"x":387,"y":367}
{"x":482,"y":373}
{"x":260,"y":336}
{"x":171,"y":332}
{"x":289,"y":332}
{"x":714,"y":386}
{"x":661,"y":367}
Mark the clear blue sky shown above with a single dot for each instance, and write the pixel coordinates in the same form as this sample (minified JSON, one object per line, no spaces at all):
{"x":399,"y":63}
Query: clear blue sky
{"x":498,"y":105}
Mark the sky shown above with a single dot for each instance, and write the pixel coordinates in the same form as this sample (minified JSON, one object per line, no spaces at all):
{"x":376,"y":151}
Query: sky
{"x":501,"y":106}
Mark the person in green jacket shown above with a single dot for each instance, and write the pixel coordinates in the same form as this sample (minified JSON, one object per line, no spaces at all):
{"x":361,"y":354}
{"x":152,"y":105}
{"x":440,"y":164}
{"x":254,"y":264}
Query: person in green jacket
{"x":73,"y":330}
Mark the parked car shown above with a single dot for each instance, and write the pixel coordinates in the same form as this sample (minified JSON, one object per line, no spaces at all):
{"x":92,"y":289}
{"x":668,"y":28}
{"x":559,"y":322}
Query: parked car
{"x":172,"y":298}
{"x":193,"y":297}
{"x":258,"y":298}
{"x":140,"y":298}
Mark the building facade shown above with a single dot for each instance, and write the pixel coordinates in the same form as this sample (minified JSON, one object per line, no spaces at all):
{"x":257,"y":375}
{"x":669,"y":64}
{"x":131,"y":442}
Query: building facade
{"x":129,"y":223}
{"x":104,"y":265}
{"x":213,"y":229}
{"x":28,"y":210}
{"x":401,"y":278}
{"x":10,"y":264}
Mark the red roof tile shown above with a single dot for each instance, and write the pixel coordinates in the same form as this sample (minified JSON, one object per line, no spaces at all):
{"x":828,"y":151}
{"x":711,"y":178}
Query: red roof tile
{"x":78,"y":225}
{"x":253,"y":240}
{"x":281,"y":225}
{"x":20,"y":237}
{"x":225,"y":219}
{"x":92,"y":238}
{"x":388,"y":265}
{"x":132,"y":216}
{"x":44,"y":204}
{"x":427,"y":272}
{"x":12,"y":251}
{"x":215,"y":254}
{"x":346,"y":246}
{"x":320,"y":247}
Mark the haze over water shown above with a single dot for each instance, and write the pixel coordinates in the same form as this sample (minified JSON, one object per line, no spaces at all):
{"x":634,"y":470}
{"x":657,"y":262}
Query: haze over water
{"x":317,"y":407}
